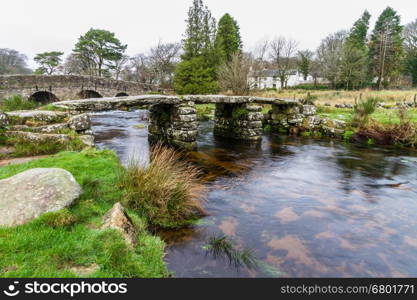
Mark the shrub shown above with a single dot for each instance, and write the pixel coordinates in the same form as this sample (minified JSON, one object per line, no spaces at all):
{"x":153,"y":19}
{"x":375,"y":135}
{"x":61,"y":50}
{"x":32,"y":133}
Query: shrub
{"x":17,"y":103}
{"x":347,"y":135}
{"x":362,"y":111}
{"x":233,"y":74}
{"x":167,"y":191}
{"x":195,"y":76}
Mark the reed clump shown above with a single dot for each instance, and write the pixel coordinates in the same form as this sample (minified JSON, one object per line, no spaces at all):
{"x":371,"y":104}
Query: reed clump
{"x":167,"y":191}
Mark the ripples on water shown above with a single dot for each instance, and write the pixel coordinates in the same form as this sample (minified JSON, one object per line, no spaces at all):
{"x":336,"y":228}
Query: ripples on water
{"x":309,"y":208}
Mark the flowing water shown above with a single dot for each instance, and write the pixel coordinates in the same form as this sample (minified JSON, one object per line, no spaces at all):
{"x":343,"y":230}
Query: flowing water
{"x":308,"y":208}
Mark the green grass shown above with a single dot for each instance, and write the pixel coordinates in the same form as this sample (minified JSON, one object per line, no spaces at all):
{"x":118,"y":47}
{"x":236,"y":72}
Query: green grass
{"x":385,"y":116}
{"x":239,"y":112}
{"x":24,"y":148}
{"x":52,"y":107}
{"x":205,"y":112}
{"x":54,"y":243}
{"x":17,"y":103}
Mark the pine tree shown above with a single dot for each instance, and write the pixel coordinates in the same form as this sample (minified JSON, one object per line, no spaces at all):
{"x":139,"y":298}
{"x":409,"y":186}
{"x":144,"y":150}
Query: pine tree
{"x":386,"y":48}
{"x":228,"y":38}
{"x":200,"y":57}
{"x":354,"y":62}
{"x":98,"y":50}
{"x":358,"y":34}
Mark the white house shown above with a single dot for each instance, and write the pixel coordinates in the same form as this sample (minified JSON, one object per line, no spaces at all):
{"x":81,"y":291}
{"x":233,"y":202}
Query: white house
{"x":269,"y":79}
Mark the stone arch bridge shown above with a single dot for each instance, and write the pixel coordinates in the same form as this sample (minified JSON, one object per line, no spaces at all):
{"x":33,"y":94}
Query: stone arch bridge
{"x":173,"y":119}
{"x":50,"y":88}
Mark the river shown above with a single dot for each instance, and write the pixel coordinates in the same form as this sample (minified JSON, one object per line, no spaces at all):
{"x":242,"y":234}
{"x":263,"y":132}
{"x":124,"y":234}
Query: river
{"x":308,"y":208}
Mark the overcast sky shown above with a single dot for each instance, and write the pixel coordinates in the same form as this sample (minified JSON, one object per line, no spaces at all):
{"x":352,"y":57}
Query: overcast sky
{"x":45,"y":25}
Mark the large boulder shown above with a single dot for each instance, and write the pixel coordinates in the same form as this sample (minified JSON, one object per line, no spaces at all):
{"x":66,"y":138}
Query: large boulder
{"x":36,"y":117}
{"x":41,"y":138}
{"x":29,"y":194}
{"x":52,"y":128}
{"x":117,"y":218}
{"x":4,"y":120}
{"x":80,"y":122}
{"x":32,"y":137}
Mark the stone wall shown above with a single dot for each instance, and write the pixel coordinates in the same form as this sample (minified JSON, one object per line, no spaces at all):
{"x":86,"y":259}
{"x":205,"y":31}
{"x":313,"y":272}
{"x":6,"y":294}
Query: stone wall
{"x":298,"y":118}
{"x":238,"y":121}
{"x":65,"y":87}
{"x":40,"y":127}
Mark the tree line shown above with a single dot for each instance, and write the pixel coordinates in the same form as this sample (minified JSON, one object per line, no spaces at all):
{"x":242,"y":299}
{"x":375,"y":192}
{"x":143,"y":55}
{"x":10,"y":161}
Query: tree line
{"x":210,"y":56}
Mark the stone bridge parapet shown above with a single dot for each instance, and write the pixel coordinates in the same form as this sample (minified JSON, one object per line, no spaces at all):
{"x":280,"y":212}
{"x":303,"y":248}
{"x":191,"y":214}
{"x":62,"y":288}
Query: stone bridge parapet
{"x":50,"y":88}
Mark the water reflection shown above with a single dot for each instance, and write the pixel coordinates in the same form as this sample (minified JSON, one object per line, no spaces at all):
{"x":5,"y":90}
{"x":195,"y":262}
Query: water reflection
{"x":308,"y":207}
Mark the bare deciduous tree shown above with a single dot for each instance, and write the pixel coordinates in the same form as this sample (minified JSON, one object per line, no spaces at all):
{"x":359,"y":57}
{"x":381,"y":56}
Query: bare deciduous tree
{"x":233,"y":75}
{"x":140,"y":70}
{"x":12,"y":62}
{"x":282,"y":52}
{"x":259,"y":53}
{"x":329,"y":56}
{"x":163,"y":58}
{"x":119,"y":65}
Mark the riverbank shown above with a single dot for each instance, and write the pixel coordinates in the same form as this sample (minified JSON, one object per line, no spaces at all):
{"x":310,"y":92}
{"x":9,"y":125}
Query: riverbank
{"x":70,"y":243}
{"x":334,"y":97}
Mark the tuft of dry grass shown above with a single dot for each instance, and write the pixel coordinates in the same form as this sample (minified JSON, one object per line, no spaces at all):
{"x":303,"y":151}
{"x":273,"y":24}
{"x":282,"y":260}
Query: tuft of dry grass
{"x":167,"y":190}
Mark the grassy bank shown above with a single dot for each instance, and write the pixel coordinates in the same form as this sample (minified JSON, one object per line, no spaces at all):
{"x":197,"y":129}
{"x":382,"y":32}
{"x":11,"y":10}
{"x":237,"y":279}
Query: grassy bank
{"x":62,"y":243}
{"x":333,"y":97}
{"x":384,"y":116}
{"x":205,"y":112}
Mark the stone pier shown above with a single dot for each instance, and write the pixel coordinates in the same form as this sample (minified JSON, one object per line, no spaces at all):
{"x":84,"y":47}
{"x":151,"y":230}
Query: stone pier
{"x":240,"y":121}
{"x":174,"y":124}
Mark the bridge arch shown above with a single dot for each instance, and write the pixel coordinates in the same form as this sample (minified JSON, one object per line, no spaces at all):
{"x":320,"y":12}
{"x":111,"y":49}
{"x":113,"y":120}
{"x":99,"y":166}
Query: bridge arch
{"x":87,"y":94}
{"x":122,"y":94}
{"x":43,"y":97}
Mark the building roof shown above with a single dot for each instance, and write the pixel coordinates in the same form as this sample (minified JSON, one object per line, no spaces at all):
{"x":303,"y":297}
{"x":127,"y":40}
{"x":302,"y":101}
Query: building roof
{"x":270,"y":73}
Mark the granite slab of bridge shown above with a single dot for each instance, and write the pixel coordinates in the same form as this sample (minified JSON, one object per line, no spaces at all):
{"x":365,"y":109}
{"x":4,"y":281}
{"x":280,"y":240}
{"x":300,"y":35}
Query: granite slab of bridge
{"x":173,"y":119}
